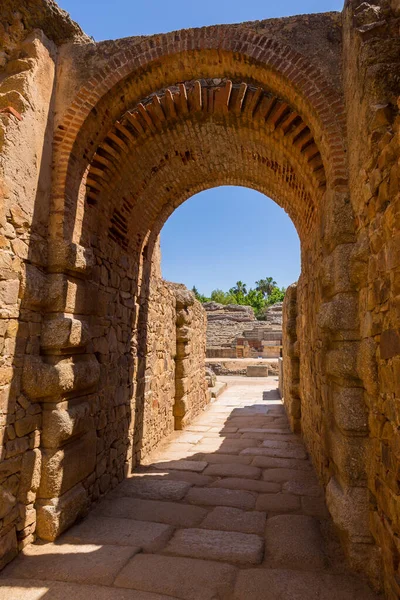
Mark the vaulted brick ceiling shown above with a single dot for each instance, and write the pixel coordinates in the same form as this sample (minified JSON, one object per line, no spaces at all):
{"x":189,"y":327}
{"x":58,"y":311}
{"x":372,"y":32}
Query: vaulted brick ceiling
{"x":197,"y":135}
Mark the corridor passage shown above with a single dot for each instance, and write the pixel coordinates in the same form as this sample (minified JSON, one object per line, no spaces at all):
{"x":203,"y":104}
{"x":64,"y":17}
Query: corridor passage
{"x":228,"y":509}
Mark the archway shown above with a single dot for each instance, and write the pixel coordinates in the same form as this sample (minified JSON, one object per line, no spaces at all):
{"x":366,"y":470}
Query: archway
{"x":162,"y":121}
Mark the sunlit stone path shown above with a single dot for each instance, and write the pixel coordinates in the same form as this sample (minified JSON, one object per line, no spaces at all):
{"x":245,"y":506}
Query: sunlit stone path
{"x":228,"y":509}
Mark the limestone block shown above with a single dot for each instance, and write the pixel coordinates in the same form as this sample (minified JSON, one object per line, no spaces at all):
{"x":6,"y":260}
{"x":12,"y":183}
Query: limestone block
{"x":217,"y":545}
{"x":170,"y":513}
{"x":367,"y":365}
{"x":33,"y":286}
{"x":349,"y":409}
{"x":341,"y":362}
{"x":335,"y":275}
{"x":57,"y":514}
{"x":8,"y":547}
{"x":349,"y":509}
{"x":168,"y":575}
{"x":7,"y":502}
{"x":62,"y":422}
{"x":40,"y":379}
{"x":339,"y":314}
{"x":257,"y":371}
{"x":27,"y":517}
{"x":64,"y":332}
{"x":9,"y":291}
{"x":62,"y":469}
{"x":10,"y":466}
{"x":70,"y":257}
{"x":349,"y":455}
{"x":27,"y":424}
{"x":338,"y":220}
{"x":294,"y":540}
{"x":30,"y":475}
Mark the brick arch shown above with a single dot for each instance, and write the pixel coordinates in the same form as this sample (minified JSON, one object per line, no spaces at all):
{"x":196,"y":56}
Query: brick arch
{"x":235,"y":121}
{"x":264,"y":60}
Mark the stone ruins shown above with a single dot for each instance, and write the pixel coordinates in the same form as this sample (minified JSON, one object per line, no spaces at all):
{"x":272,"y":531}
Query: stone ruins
{"x":234,"y":332}
{"x":100,"y":358}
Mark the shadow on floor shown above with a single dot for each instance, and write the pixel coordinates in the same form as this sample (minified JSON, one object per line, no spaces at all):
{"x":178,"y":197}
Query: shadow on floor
{"x":230,"y":508}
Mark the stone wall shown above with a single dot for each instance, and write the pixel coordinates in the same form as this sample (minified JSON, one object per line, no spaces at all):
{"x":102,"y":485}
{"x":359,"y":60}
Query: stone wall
{"x":191,"y":394}
{"x":372,"y":75}
{"x":290,"y":376}
{"x":160,"y":361}
{"x":27,"y":66}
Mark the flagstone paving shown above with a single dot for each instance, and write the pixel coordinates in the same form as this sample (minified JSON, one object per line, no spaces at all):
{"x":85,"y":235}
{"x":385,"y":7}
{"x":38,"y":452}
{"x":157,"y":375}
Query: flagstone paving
{"x":229,"y":509}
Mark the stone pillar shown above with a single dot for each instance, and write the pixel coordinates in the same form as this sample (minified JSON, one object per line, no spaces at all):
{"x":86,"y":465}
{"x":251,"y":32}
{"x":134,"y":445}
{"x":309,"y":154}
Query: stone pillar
{"x":62,"y":380}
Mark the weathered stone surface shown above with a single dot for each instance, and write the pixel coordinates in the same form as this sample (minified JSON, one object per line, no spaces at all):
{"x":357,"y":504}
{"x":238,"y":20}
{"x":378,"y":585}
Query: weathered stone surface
{"x":234,"y":483}
{"x":235,"y":519}
{"x":217,"y":545}
{"x":8,"y":547}
{"x":62,"y":469}
{"x":270,"y":584}
{"x":33,"y":590}
{"x":267,"y":462}
{"x":282,"y":475}
{"x":164,"y":574}
{"x":119,"y":532}
{"x":233,"y":470}
{"x":56,"y":515}
{"x":153,"y":488}
{"x":298,"y":453}
{"x":219,"y":459}
{"x":221,"y":497}
{"x":182,"y":465}
{"x":294,"y":540}
{"x":86,"y":563}
{"x":278,"y":503}
{"x":169,"y":513}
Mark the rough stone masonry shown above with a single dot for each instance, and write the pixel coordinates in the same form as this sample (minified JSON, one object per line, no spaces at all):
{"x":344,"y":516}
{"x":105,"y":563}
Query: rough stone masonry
{"x":99,"y":143}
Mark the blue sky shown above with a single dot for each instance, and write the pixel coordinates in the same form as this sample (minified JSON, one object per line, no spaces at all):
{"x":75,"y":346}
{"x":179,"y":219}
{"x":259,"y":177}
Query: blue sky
{"x":227,"y":233}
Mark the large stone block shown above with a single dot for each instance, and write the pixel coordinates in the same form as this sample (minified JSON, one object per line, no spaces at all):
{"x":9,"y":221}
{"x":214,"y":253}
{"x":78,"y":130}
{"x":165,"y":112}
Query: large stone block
{"x":257,"y":371}
{"x":9,"y":291}
{"x":64,"y":468}
{"x":8,"y":547}
{"x":30,"y":476}
{"x":64,"y":332}
{"x":340,"y":314}
{"x":349,"y":408}
{"x":228,"y":546}
{"x":62,"y":422}
{"x":34,"y":286}
{"x":57,"y":514}
{"x":41,"y":379}
{"x":337,"y":225}
{"x":349,"y":454}
{"x":168,"y":575}
{"x":349,"y":509}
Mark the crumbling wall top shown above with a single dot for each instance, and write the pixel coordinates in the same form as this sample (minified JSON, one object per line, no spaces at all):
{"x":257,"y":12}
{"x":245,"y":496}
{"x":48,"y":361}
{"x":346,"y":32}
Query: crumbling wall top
{"x":46,"y":15}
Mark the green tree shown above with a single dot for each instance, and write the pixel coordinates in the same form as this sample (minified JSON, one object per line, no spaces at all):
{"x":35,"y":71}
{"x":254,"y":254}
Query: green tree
{"x":223,"y":297}
{"x":255,"y":299}
{"x":277,"y":295}
{"x":239,"y":289}
{"x":266,"y":286}
{"x":198,"y":296}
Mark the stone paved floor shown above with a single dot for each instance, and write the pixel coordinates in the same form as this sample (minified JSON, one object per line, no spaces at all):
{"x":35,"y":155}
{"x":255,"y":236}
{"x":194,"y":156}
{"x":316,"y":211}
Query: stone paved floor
{"x":228,"y":509}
